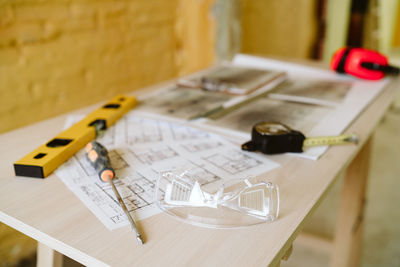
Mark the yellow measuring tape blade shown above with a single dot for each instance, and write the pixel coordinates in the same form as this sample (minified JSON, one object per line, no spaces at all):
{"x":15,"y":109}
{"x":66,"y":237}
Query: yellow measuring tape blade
{"x":331,"y":140}
{"x":46,"y":158}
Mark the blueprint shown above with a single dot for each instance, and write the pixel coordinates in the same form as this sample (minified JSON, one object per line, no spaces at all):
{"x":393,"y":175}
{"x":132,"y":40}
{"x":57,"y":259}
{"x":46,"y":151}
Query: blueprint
{"x":300,"y":116}
{"x":139,"y":149}
{"x":345,"y":103}
{"x":326,"y":92}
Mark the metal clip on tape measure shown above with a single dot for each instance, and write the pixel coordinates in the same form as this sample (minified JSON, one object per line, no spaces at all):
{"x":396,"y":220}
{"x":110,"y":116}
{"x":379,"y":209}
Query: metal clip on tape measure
{"x":275,"y":138}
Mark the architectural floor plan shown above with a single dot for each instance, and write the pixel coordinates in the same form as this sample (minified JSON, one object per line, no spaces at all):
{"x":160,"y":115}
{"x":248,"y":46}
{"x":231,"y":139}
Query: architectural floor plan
{"x":140,"y":149}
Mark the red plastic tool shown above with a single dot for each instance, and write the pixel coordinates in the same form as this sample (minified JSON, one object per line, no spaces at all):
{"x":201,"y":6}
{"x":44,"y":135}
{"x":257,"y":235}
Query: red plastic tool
{"x":362,"y":63}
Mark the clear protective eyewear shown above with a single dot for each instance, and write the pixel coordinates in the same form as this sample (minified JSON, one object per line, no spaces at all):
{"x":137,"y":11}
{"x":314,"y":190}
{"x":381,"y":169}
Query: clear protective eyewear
{"x":227,"y":204}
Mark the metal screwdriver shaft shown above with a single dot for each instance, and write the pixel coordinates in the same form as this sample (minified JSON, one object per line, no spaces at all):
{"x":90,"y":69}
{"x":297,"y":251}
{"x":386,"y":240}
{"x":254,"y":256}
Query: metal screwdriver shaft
{"x":123,"y":206}
{"x":98,"y":157}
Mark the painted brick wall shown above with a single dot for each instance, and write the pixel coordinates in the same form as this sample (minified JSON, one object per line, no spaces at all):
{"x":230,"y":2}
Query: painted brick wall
{"x":284,"y":28}
{"x":58,"y":55}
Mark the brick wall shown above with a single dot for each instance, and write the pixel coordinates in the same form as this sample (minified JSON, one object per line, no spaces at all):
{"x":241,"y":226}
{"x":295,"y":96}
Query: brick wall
{"x":58,"y":55}
{"x":284,"y":28}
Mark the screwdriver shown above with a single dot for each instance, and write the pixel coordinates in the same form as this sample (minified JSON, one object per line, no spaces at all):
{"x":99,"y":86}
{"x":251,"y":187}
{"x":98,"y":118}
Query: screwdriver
{"x":97,"y":155}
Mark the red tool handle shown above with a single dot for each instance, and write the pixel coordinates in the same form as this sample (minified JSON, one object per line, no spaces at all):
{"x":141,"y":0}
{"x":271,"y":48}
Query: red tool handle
{"x":362,"y":63}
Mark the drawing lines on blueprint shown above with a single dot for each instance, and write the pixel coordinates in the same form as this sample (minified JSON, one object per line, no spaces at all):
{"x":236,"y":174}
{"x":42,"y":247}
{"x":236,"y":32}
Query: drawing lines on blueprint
{"x":180,"y":132}
{"x":117,"y":161}
{"x":136,"y":194}
{"x":139,"y":130}
{"x":142,"y":148}
{"x":111,"y":209}
{"x":154,"y":155}
{"x":233,"y":162}
{"x":203,"y":175}
{"x":143,"y":193}
{"x":201,"y":146}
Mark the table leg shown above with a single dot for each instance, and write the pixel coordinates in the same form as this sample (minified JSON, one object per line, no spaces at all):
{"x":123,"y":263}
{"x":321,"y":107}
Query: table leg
{"x":48,"y":257}
{"x":348,"y":235}
{"x":285,"y":257}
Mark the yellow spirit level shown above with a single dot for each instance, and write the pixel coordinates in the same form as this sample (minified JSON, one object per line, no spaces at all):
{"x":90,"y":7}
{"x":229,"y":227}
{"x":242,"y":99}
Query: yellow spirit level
{"x":46,"y":158}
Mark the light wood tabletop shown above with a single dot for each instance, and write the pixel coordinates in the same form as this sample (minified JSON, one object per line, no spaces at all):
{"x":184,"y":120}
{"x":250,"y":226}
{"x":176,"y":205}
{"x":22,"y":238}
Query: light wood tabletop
{"x":46,"y":210}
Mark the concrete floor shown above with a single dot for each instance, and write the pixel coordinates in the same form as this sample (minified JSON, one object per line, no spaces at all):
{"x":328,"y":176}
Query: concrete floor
{"x":381,"y":242}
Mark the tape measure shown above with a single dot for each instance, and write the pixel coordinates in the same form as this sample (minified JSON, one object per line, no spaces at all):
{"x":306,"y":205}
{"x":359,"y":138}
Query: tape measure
{"x":46,"y":158}
{"x":275,"y":138}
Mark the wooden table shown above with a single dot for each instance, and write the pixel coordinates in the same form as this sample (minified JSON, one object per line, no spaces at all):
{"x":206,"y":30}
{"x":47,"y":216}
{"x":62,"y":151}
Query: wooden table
{"x":50,"y":213}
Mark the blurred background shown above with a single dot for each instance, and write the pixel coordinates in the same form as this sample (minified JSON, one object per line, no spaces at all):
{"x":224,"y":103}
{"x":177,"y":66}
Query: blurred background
{"x":59,"y":55}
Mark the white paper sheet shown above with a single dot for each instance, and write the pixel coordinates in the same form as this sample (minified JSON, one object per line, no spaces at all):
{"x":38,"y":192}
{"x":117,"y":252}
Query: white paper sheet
{"x":360,"y":95}
{"x":299,"y":116}
{"x":181,"y":104}
{"x":326,"y":92}
{"x":139,"y":148}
